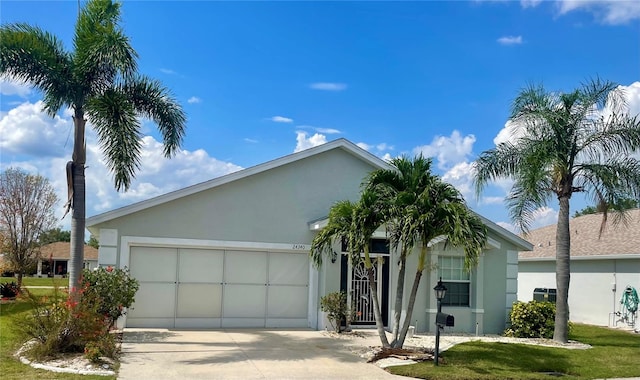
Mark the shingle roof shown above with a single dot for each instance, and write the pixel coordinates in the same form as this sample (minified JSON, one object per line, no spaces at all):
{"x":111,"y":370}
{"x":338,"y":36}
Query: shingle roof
{"x":61,"y":249}
{"x":616,"y":240}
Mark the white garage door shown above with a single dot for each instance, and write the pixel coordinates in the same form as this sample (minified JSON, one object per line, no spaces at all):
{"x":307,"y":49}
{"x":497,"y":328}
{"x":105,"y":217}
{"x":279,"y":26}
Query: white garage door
{"x":198,"y":288}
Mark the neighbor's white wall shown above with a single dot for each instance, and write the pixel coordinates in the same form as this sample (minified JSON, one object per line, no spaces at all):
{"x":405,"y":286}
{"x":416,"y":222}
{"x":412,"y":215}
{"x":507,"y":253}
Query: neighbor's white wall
{"x":591,"y":295}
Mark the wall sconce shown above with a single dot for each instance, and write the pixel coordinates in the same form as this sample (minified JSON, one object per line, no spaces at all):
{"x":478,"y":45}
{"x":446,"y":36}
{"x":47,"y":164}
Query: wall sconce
{"x":334,"y":257}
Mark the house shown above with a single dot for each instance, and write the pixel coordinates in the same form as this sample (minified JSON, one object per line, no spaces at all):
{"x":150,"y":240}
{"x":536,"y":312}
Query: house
{"x":54,"y":257}
{"x":233,"y":252}
{"x":601,"y":267}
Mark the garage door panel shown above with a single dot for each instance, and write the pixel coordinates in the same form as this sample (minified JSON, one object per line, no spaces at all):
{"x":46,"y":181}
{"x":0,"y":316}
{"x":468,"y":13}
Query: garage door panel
{"x":245,"y":267}
{"x":153,"y":264}
{"x":200,"y":265}
{"x":244,"y":301}
{"x":287,"y":302}
{"x":199,"y":301}
{"x":288,"y":268}
{"x":154,"y":300}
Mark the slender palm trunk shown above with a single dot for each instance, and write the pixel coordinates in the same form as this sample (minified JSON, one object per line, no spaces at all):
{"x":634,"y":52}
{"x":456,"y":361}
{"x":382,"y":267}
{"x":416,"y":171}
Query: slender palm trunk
{"x":78,"y":214}
{"x":397,"y":312}
{"x":374,"y":296}
{"x":563,"y":272}
{"x":412,"y":297}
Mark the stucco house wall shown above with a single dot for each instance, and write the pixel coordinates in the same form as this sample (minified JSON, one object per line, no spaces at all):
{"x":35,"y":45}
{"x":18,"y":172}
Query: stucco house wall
{"x":601,"y":266}
{"x":193,"y":242}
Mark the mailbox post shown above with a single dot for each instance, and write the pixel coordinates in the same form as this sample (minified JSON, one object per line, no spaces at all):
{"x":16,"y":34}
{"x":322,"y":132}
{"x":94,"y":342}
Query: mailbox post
{"x":440,"y":290}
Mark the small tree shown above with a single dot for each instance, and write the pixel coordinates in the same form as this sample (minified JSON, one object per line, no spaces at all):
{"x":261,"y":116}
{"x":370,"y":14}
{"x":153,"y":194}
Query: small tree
{"x":335,"y":305}
{"x":26,"y":210}
{"x":93,"y":242}
{"x":54,"y":235}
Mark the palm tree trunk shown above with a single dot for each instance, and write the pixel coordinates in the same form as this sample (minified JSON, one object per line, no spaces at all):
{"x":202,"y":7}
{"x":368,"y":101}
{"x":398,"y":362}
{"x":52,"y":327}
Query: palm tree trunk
{"x":412,"y":297}
{"x":374,"y":296}
{"x":376,"y":308}
{"x":412,"y":301}
{"x":563,"y":272}
{"x":78,"y":214}
{"x":397,"y":312}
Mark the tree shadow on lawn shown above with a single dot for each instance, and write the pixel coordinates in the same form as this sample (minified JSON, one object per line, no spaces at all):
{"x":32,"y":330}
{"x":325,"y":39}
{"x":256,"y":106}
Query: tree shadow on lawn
{"x":486,"y":358}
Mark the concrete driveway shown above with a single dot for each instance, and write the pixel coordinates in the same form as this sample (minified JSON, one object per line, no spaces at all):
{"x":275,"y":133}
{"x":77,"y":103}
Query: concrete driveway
{"x":243,"y":354}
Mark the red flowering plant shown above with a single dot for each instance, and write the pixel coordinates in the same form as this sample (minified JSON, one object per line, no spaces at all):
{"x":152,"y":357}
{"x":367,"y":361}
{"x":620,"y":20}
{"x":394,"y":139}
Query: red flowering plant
{"x":61,"y":323}
{"x":113,"y":290}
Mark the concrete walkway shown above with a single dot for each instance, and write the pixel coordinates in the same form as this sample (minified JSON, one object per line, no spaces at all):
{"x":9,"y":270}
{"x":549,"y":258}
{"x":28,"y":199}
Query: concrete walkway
{"x":242,"y":354}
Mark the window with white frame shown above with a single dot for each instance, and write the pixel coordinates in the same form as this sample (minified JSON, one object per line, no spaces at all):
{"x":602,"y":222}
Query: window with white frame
{"x":456,"y":279}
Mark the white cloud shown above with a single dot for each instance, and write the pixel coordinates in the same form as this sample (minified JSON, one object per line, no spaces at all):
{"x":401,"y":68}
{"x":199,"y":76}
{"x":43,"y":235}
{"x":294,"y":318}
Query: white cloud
{"x":27,"y":130}
{"x":21,"y":127}
{"x":328,"y":86}
{"x":328,"y":131}
{"x":461,"y":177}
{"x":194,"y":99}
{"x":304,"y":142}
{"x":281,"y":119}
{"x":252,"y":141}
{"x":510,"y":40}
{"x":167,"y":71}
{"x":613,"y":12}
{"x":492,"y":200}
{"x":9,"y":88}
{"x":632,"y":95}
{"x":448,"y":150}
{"x":543,"y":216}
{"x":530,"y":3}
{"x":507,"y":226}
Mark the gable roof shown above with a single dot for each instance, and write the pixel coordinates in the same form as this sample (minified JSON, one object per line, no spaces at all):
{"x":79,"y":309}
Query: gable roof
{"x":341,"y":143}
{"x":617,"y":241}
{"x":61,"y":250}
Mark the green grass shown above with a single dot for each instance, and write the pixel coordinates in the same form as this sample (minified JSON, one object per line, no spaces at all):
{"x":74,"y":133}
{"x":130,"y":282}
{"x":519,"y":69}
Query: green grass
{"x":10,"y":367}
{"x":35,"y":281}
{"x":614,"y":354}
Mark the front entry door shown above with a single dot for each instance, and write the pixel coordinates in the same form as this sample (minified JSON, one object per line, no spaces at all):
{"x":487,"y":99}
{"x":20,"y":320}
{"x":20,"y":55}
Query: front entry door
{"x":355,"y":283}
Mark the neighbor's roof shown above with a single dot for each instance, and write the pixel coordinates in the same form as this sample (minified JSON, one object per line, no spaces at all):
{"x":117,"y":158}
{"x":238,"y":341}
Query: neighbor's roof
{"x":61,"y":249}
{"x":621,"y":240}
{"x":342,"y":143}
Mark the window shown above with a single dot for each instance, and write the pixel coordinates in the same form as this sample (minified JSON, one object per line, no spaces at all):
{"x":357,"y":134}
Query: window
{"x":456,"y":279}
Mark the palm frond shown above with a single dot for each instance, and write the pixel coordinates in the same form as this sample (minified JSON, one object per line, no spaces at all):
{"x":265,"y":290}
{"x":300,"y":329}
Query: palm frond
{"x":31,"y":55}
{"x":153,"y":101}
{"x":118,"y":129}
{"x":102,"y":50}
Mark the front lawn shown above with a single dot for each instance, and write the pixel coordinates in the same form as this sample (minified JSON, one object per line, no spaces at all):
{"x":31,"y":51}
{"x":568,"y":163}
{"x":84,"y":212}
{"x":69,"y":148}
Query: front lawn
{"x":615,"y":353}
{"x":10,"y":367}
{"x":38,"y":281}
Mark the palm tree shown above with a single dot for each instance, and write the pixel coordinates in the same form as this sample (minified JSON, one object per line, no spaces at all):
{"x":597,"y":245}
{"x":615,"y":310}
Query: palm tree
{"x":403,"y":184}
{"x":425,"y":210}
{"x":356,"y":223}
{"x":565,"y":143}
{"x":97,"y":80}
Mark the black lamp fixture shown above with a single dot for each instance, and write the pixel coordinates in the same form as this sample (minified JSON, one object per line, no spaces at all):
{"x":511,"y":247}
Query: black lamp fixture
{"x":440,"y":291}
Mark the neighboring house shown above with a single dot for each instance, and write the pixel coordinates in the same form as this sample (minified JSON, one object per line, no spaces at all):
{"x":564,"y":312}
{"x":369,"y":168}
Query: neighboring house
{"x":233,"y":252}
{"x":54,"y":259}
{"x":601,"y":267}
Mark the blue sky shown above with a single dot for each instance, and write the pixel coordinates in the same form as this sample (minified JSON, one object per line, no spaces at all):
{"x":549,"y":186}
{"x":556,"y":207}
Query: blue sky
{"x":260,"y":80}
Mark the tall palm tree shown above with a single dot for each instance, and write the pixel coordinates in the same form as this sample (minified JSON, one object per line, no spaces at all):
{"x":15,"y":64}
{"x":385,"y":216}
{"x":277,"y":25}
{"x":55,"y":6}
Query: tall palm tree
{"x":356,"y":223}
{"x":98,"y":80}
{"x":403,"y":184}
{"x":565,"y":143}
{"x":427,"y":210}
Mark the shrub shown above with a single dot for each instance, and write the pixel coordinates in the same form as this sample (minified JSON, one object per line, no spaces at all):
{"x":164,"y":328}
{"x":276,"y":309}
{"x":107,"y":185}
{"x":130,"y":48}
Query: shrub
{"x":335,"y":305}
{"x":82,"y":323}
{"x":113,"y":289}
{"x":9,"y":290}
{"x":532,"y":320}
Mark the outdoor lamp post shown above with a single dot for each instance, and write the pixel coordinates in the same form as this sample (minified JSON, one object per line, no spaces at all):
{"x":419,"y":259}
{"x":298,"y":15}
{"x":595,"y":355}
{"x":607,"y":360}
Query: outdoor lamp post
{"x":440,"y":290}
